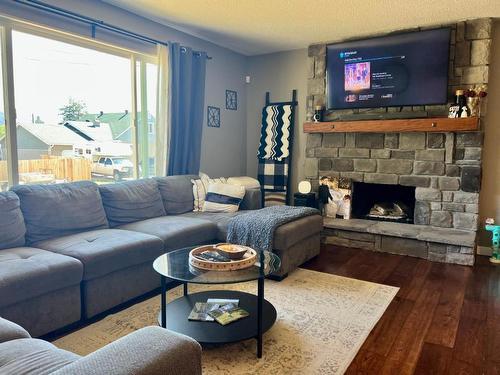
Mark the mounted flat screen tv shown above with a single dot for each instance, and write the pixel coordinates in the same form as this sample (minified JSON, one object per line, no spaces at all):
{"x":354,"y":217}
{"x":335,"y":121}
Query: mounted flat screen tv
{"x":395,"y":70}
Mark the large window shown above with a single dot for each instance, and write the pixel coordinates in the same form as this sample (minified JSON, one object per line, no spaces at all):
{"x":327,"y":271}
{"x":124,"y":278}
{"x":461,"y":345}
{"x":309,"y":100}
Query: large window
{"x":4,"y":178}
{"x":83,"y":111}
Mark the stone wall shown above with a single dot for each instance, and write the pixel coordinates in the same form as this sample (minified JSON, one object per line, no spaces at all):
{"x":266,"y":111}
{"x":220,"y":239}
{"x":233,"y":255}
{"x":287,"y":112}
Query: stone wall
{"x":445,"y":168}
{"x":405,"y":239}
{"x":446,"y":193}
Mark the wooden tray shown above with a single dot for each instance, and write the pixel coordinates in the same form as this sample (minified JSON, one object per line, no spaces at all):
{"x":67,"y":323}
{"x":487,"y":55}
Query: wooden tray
{"x":248,"y":260}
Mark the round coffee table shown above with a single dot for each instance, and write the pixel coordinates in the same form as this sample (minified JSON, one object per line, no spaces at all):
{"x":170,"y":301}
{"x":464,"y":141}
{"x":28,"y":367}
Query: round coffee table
{"x":175,"y":266}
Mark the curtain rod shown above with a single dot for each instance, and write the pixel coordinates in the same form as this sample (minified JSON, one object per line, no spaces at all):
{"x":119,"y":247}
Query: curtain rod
{"x":93,"y":22}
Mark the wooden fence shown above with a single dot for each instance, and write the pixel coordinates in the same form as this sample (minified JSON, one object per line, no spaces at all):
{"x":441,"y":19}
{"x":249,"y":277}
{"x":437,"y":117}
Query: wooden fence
{"x":68,"y":169}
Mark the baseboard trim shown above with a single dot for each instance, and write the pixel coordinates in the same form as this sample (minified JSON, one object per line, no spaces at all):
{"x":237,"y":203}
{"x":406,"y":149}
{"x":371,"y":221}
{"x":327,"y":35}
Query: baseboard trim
{"x":484,"y":250}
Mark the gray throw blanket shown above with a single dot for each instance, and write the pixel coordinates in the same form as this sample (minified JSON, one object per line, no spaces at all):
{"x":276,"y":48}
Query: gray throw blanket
{"x":256,"y":228}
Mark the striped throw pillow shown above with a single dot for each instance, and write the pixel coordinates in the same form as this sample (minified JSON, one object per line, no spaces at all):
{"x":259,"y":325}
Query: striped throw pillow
{"x":200,"y":188}
{"x":223,"y":198}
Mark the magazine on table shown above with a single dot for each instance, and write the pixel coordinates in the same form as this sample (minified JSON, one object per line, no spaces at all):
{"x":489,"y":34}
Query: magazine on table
{"x":228,"y":313}
{"x":223,"y":301}
{"x":222,"y":310}
{"x":201,"y":311}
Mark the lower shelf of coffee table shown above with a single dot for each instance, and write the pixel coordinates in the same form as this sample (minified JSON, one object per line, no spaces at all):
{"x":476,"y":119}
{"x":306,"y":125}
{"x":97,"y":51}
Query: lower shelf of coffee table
{"x":212,"y":332}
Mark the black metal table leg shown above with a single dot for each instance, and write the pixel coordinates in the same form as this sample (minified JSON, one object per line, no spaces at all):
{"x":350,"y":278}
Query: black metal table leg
{"x":163,"y":302}
{"x":185,"y":289}
{"x":260,"y":302}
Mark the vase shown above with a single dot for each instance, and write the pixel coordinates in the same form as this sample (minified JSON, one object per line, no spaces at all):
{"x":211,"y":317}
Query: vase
{"x":473,"y":104}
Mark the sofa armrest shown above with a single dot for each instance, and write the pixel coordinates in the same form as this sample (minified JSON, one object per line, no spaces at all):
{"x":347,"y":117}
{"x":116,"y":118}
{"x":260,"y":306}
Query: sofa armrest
{"x":252,"y":200}
{"x":148,"y":351}
{"x":11,"y":331}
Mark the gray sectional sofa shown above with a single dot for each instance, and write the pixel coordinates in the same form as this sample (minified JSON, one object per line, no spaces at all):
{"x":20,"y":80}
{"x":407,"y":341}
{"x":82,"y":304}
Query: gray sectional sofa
{"x":147,"y":351}
{"x":72,"y":251}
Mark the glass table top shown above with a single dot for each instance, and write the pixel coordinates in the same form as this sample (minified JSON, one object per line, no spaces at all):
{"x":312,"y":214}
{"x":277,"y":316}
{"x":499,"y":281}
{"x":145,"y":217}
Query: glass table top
{"x":175,"y":265}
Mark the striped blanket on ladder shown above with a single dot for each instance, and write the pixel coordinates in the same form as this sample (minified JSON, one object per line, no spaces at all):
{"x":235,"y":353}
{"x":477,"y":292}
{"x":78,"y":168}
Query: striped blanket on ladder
{"x":274,"y":152}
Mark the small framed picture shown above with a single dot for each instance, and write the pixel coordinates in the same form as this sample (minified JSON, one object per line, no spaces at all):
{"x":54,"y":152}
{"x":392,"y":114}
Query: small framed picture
{"x":231,"y":100}
{"x":213,"y":117}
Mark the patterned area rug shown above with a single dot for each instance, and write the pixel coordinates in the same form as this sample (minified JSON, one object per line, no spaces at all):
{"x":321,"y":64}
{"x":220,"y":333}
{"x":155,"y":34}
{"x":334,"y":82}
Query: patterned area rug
{"x":322,"y":322}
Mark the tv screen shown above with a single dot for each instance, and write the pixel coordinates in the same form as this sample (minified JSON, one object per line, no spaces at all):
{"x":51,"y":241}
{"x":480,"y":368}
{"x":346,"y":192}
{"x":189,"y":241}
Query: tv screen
{"x":394,"y":70}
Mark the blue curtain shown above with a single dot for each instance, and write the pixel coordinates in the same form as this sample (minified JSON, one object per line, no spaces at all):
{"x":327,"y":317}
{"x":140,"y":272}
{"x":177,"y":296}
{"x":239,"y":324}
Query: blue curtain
{"x":187,"y":101}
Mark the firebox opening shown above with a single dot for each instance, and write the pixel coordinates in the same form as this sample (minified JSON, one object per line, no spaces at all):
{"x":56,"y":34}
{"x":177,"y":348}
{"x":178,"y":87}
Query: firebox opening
{"x":383,"y":202}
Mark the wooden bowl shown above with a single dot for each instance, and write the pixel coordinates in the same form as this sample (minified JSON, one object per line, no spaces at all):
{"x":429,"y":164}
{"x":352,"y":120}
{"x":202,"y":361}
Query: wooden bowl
{"x":231,"y":251}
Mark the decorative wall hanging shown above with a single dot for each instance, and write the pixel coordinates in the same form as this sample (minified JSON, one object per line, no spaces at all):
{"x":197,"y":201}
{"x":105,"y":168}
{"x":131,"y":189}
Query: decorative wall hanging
{"x":213,"y":117}
{"x":275,"y":150}
{"x":231,"y":100}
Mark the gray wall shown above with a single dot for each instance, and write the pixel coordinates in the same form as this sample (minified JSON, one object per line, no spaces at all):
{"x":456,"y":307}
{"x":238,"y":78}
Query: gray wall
{"x":278,"y":73}
{"x":221,"y":147}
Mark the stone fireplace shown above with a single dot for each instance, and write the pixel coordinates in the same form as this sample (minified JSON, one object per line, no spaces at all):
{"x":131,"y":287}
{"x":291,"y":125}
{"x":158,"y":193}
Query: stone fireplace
{"x":443,"y":170}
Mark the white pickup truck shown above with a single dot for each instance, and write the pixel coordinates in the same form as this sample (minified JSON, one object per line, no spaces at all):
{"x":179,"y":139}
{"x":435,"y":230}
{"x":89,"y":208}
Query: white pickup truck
{"x":116,"y":167}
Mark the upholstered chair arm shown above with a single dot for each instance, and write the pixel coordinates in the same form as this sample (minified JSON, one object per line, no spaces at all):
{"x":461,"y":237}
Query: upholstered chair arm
{"x":11,"y":331}
{"x":148,"y":351}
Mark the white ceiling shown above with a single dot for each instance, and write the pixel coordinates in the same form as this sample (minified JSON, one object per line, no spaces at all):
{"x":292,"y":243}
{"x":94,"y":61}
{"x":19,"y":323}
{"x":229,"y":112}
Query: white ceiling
{"x":254,"y":27}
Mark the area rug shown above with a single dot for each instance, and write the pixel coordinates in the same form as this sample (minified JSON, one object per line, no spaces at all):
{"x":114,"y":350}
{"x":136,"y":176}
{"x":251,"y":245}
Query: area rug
{"x":322,"y":322}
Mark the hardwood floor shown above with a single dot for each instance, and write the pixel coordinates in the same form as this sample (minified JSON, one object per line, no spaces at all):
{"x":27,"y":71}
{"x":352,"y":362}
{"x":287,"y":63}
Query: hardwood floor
{"x":444,"y":320}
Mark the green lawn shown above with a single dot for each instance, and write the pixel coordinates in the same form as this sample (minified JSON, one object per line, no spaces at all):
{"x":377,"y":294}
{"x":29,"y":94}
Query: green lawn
{"x":2,"y":131}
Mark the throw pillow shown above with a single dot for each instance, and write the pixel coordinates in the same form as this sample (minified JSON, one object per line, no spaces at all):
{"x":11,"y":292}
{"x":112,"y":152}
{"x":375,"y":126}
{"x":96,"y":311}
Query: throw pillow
{"x":200,"y":188}
{"x":223,"y":198}
{"x":247,"y":182}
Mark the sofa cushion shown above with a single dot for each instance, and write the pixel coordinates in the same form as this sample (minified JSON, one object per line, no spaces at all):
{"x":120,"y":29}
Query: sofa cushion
{"x":12,"y":228}
{"x":220,"y":219}
{"x":33,"y":356}
{"x":131,"y":201}
{"x":252,"y":200}
{"x":106,"y":250}
{"x":60,"y":209}
{"x":27,"y":272}
{"x":176,"y":193}
{"x":176,"y":231}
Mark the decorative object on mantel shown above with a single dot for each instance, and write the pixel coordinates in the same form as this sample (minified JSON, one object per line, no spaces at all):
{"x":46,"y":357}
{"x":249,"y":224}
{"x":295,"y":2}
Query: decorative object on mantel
{"x":474,"y":97}
{"x":213,"y":117}
{"x":231,"y":100}
{"x":459,"y":109}
{"x":318,"y":113}
{"x":434,"y":124}
{"x":275,"y":150}
{"x":495,"y":240}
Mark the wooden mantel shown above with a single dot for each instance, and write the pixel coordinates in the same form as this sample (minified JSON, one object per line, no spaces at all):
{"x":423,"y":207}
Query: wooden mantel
{"x":436,"y":124}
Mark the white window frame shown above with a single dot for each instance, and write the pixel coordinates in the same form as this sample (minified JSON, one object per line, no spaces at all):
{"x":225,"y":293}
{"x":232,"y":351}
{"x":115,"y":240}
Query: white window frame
{"x":7,"y":25}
